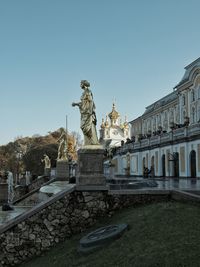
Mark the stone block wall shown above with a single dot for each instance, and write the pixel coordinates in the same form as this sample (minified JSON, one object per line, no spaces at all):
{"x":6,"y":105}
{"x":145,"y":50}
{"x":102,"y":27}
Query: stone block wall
{"x":65,"y":214}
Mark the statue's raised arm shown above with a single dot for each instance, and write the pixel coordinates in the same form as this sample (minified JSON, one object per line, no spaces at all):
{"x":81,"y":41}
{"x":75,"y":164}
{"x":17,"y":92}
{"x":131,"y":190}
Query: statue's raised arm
{"x":88,"y":115}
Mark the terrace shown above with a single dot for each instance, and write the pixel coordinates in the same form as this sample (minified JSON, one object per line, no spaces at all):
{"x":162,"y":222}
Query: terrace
{"x":178,"y":135}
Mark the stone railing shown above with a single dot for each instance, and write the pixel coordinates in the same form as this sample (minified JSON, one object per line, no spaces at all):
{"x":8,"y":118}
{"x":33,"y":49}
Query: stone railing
{"x":27,"y":195}
{"x":179,"y":133}
{"x":63,"y":215}
{"x":175,"y":135}
{"x":22,"y":191}
{"x":154,"y":140}
{"x":193,"y":129}
{"x":38,"y":182}
{"x":144,"y":142}
{"x":165,"y":138}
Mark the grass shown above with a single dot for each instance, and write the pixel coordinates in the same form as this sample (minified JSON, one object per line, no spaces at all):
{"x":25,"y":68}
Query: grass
{"x":161,"y":234}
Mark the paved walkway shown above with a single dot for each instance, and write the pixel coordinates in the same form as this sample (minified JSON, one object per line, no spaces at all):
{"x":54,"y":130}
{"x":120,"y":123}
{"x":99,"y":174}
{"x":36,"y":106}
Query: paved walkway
{"x":6,"y":216}
{"x":178,"y":183}
{"x":162,"y":183}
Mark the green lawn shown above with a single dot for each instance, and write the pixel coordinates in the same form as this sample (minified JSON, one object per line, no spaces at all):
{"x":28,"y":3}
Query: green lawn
{"x":163,"y":234}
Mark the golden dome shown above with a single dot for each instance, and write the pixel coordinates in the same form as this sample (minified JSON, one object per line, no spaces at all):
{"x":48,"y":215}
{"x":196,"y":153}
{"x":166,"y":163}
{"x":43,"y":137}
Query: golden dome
{"x":113,"y":115}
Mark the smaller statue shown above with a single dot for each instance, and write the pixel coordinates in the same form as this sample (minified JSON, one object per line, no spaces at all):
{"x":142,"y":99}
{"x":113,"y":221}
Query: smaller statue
{"x":62,"y":148}
{"x":47,"y":162}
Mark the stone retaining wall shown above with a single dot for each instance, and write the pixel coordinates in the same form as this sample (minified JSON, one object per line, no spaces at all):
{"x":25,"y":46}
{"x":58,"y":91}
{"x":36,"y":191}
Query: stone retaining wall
{"x":60,"y":217}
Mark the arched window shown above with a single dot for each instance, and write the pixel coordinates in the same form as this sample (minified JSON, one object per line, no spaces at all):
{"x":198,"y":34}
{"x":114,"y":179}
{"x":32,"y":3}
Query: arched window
{"x":199,"y":92}
{"x":192,"y":96}
{"x":193,"y":114}
{"x":154,"y":123}
{"x":145,"y":127}
{"x":198,"y":114}
{"x":149,"y":125}
{"x":184,"y":115}
{"x":183,"y":100}
{"x":171,"y":116}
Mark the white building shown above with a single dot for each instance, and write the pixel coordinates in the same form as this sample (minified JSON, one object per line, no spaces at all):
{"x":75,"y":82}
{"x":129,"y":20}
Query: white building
{"x":113,"y":131}
{"x":167,"y":135}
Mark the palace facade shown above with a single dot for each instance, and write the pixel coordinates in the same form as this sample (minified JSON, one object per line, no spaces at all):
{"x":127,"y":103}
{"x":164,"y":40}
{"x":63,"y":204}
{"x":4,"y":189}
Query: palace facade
{"x":166,"y":138}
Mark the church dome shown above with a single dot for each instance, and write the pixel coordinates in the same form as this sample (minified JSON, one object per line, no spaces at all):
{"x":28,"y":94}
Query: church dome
{"x":113,"y":115}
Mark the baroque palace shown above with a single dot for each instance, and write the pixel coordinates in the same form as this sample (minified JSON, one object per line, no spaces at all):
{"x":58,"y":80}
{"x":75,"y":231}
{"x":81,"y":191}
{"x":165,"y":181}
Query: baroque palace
{"x":166,"y":138}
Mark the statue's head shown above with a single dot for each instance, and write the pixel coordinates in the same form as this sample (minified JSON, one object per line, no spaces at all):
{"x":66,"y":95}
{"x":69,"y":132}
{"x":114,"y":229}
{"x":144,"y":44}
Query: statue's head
{"x":85,"y":83}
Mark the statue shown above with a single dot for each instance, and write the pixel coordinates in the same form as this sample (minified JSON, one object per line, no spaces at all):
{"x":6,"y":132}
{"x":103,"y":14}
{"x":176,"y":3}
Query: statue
{"x":88,"y":115}
{"x":62,"y":148}
{"x":47,"y":162}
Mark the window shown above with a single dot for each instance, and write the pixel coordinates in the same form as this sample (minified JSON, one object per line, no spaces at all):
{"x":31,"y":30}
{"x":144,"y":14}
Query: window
{"x":184,"y":115}
{"x":171,"y":116}
{"x":183,"y":100}
{"x":199,"y":92}
{"x":198,"y":114}
{"x":192,"y":96}
{"x":145,"y":127}
{"x":193,"y":114}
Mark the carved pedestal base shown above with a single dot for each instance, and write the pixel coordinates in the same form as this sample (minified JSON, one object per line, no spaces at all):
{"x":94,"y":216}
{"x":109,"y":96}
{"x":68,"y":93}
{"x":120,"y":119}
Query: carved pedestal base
{"x":62,"y":170}
{"x":3,"y":193}
{"x":47,"y":172}
{"x":90,"y":167}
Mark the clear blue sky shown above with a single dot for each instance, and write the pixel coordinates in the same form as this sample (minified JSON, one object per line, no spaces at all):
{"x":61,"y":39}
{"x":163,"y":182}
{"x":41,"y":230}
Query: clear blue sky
{"x":132,"y":50}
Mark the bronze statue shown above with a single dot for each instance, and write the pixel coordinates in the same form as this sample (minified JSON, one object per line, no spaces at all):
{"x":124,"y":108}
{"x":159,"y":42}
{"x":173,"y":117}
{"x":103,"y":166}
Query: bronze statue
{"x":88,"y":115}
{"x":62,"y":148}
{"x":47,"y":161}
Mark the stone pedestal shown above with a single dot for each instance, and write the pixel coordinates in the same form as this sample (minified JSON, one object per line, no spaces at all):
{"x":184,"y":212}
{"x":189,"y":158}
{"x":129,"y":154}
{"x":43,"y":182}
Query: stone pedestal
{"x":47,"y":172}
{"x":3,"y":193}
{"x":62,"y":170}
{"x":22,"y":181}
{"x":90,"y":167}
